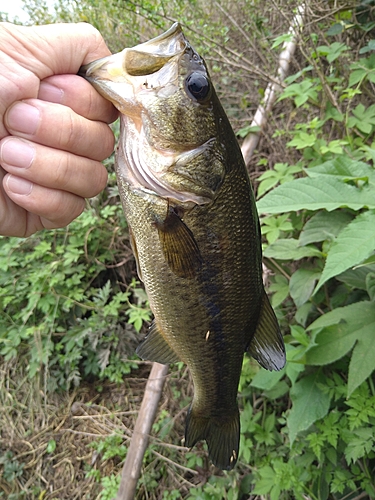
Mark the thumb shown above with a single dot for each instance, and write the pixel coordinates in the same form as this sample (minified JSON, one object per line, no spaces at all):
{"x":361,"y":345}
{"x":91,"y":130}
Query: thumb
{"x":53,"y":48}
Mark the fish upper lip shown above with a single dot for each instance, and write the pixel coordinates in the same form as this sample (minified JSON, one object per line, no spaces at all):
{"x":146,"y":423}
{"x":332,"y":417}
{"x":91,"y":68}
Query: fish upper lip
{"x":164,"y":44}
{"x":167,"y":45}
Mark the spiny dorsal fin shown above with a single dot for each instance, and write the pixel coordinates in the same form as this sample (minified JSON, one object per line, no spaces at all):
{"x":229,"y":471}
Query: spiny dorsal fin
{"x":267,"y":345}
{"x":179,"y":246}
{"x":155,"y":348}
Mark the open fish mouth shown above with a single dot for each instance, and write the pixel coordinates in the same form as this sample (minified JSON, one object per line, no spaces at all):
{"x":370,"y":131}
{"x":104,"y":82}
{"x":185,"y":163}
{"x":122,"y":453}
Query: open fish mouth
{"x":144,"y":60}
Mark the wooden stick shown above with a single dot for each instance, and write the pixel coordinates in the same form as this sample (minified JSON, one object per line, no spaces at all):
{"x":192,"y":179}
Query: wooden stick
{"x":134,"y":458}
{"x":260,"y":118}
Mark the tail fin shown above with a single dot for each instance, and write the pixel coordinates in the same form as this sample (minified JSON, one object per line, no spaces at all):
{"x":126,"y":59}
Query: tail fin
{"x":222,"y":434}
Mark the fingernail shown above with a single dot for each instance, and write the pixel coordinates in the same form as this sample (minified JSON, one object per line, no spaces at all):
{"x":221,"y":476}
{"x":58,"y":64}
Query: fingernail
{"x":23,"y":118}
{"x":50,"y":93}
{"x":17,"y":153}
{"x":18,"y":185}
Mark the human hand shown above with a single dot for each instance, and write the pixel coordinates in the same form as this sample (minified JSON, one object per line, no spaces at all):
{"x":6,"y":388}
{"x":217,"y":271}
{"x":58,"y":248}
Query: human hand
{"x":53,"y":126}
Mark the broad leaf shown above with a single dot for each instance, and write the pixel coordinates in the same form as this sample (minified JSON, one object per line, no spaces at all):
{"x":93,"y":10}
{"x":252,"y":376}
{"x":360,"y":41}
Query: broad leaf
{"x":309,"y":404}
{"x":362,"y":363}
{"x":333,"y":343}
{"x":316,"y":193}
{"x":370,"y":285}
{"x":357,"y":278}
{"x":302,"y":284}
{"x":345,"y":169}
{"x":353,"y":245}
{"x":288,"y":249}
{"x":356,"y":314}
{"x":340,"y":330}
{"x":324,"y":226}
{"x":266,"y":380}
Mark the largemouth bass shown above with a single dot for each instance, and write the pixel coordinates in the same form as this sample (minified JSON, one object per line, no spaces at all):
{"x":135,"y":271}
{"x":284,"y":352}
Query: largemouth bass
{"x":194,"y":229}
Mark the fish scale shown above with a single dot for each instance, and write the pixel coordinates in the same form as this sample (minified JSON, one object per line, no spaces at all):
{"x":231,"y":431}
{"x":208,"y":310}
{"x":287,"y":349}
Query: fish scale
{"x":194,"y":229}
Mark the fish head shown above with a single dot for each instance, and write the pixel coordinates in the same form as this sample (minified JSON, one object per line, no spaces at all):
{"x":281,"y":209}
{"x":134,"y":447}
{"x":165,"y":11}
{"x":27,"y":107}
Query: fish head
{"x":167,"y":101}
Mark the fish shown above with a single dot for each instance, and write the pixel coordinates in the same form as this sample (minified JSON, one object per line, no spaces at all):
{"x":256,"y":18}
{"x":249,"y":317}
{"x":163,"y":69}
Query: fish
{"x":193,"y":227}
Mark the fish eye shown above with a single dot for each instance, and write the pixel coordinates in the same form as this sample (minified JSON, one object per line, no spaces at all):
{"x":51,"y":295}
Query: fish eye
{"x":198,"y":85}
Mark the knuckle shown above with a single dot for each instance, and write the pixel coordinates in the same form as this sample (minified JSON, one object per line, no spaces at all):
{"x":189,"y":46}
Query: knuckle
{"x":64,"y":208}
{"x":69,"y":132}
{"x":62,"y":169}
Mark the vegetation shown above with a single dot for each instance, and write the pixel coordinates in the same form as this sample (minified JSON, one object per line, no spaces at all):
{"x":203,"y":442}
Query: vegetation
{"x":72,"y":306}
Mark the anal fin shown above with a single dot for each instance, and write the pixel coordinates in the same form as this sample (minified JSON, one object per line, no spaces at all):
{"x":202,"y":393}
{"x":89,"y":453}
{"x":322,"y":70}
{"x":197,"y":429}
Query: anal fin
{"x":155,"y":348}
{"x":179,"y":247}
{"x":267,"y":345}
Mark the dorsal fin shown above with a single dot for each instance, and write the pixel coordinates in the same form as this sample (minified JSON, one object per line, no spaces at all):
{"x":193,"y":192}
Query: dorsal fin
{"x":267,"y":345}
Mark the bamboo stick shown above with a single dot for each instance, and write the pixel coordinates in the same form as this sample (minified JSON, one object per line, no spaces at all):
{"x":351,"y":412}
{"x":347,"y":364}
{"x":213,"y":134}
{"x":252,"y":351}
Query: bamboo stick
{"x":260,"y":117}
{"x":134,"y":458}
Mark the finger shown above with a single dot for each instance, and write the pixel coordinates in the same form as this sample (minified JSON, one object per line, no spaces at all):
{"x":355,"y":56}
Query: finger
{"x":59,"y":127}
{"x":53,"y":49}
{"x":79,"y":95}
{"x":52,"y":168}
{"x":55,"y":208}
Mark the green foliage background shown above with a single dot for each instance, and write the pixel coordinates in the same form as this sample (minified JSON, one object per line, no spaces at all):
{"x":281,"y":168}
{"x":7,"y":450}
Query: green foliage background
{"x":72,"y":306}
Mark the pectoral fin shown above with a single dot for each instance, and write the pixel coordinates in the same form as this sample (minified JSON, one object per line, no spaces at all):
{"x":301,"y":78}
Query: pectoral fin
{"x":267,"y":345}
{"x":179,"y":246}
{"x":155,"y":348}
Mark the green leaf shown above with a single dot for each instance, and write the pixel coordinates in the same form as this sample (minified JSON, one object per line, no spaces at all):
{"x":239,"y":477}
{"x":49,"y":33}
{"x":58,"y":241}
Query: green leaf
{"x":315,"y":194}
{"x":370,"y":285}
{"x":267,"y":481}
{"x":340,"y":330}
{"x":356,"y":278}
{"x":361,"y":443}
{"x":288,"y":249}
{"x":309,"y":404}
{"x":324,"y":226}
{"x":301,"y":92}
{"x":286,"y":38}
{"x":279,"y":289}
{"x":51,"y":446}
{"x":344,"y":168}
{"x":302,"y":140}
{"x":333,"y":51}
{"x":362,"y":363}
{"x":333,"y":343}
{"x":302,"y":284}
{"x":266,"y":380}
{"x":353,"y":245}
{"x":362,"y":118}
{"x":335,"y":29}
{"x":355,"y":314}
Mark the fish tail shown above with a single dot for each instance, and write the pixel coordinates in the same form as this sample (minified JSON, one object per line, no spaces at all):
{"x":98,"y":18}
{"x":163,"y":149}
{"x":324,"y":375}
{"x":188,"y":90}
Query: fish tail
{"x":222,"y":434}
